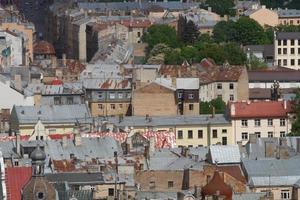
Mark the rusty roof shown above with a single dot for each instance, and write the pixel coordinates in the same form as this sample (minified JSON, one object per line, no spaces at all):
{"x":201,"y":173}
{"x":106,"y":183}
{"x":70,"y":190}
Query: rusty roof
{"x":43,"y":47}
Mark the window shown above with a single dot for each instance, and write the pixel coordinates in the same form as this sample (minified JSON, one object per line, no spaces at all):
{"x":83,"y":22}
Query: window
{"x":224,"y":131}
{"x":16,"y":163}
{"x":152,"y":185}
{"x":244,"y":123}
{"x":279,"y":62}
{"x":231,"y":86}
{"x":270,"y":134}
{"x":57,"y":100}
{"x":279,"y":51}
{"x":170,"y":184}
{"x":231,"y":97}
{"x":284,"y":50}
{"x":191,"y":107}
{"x":282,"y":134}
{"x":282,"y":122}
{"x":219,"y":86}
{"x":69,"y":100}
{"x":41,"y":137}
{"x":100,"y":106}
{"x":40,"y":195}
{"x":113,"y":106}
{"x":215,"y":133}
{"x":179,"y":135}
{"x":292,"y":62}
{"x":257,"y":122}
{"x":292,"y":42}
{"x":284,"y":62}
{"x":100,"y":95}
{"x":257,"y":134}
{"x":292,"y":51}
{"x":120,"y":105}
{"x":298,"y":61}
{"x":129,"y":95}
{"x":285,"y":194}
{"x":191,"y":96}
{"x":284,"y":42}
{"x":120,"y":95}
{"x":244,"y":136}
{"x":179,"y":95}
{"x":139,"y":34}
{"x":200,"y":134}
{"x":279,"y":42}
{"x":190,"y":134}
{"x":270,"y":122}
{"x":111,"y":192}
{"x":224,"y":140}
{"x":112,"y":95}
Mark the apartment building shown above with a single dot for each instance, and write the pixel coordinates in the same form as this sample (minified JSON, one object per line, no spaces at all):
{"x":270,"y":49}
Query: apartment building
{"x":262,"y":118}
{"x":287,"y":49}
{"x":289,"y":16}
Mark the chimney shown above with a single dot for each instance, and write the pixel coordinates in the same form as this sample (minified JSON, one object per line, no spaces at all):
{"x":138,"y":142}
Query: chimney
{"x":64,"y":59}
{"x":186,"y":179}
{"x":77,"y":140}
{"x":269,"y":149}
{"x":213,"y":112}
{"x":64,"y":141}
{"x":18,"y":82}
{"x":284,"y":105}
{"x":18,"y":144}
{"x":197,"y":192}
{"x":151,"y":144}
{"x":252,"y":138}
{"x":53,"y":62}
{"x":184,"y":151}
{"x":232,"y":109}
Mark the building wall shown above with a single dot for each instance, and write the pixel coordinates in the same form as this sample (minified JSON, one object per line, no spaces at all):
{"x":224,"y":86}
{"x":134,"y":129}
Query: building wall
{"x":289,"y":20}
{"x":28,"y":31}
{"x":12,"y":97}
{"x":50,"y":100}
{"x":276,"y":191}
{"x":268,"y":85}
{"x":109,"y":109}
{"x":260,"y":17}
{"x":101,"y":191}
{"x":50,"y":128}
{"x":207,"y":133}
{"x":16,"y":46}
{"x":285,"y":59}
{"x":188,"y":111}
{"x":154,"y":104}
{"x":263,"y":129}
{"x":243,"y":86}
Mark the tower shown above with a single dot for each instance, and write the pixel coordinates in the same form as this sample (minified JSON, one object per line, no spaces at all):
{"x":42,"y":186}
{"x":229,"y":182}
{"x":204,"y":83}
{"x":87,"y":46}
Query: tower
{"x":38,"y":188}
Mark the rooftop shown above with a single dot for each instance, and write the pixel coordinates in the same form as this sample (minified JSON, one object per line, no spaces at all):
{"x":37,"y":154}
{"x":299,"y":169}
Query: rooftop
{"x":287,"y":35}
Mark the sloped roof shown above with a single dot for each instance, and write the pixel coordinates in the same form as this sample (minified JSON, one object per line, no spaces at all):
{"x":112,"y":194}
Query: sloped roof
{"x":260,"y":109}
{"x":217,"y":184}
{"x":43,"y":47}
{"x":225,"y":154}
{"x":16,"y":178}
{"x":51,"y":113}
{"x":76,"y":178}
{"x":270,"y":76}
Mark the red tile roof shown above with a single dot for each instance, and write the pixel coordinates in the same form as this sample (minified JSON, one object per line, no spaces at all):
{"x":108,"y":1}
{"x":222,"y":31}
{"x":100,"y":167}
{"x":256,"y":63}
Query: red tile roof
{"x":216,"y":185}
{"x":260,"y":109}
{"x":64,"y":165}
{"x":234,"y":171}
{"x":16,"y":178}
{"x":43,"y":47}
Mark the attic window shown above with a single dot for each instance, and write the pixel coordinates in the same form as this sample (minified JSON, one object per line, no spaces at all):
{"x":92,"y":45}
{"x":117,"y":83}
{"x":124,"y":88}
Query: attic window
{"x":23,"y":112}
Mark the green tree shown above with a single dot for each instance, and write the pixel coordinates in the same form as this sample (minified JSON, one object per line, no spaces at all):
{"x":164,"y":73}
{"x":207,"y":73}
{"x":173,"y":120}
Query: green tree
{"x":222,"y":7}
{"x":189,"y":53}
{"x":174,"y":57}
{"x":212,"y":51}
{"x":159,"y":48}
{"x":254,"y":63}
{"x":161,"y":34}
{"x":296,"y":108}
{"x":248,"y":31}
{"x":234,"y":54}
{"x":224,"y":31}
{"x":207,"y":107}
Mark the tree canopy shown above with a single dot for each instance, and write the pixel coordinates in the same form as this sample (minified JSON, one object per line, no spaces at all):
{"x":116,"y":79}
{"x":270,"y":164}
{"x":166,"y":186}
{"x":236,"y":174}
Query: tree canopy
{"x":207,"y":107}
{"x":161,"y":34}
{"x":221,"y":7}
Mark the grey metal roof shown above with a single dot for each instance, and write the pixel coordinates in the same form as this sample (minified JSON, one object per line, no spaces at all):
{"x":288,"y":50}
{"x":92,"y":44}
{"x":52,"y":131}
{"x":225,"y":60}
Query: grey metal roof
{"x":287,"y":35}
{"x":272,"y":172}
{"x":225,"y":154}
{"x":168,"y":159}
{"x":270,"y":76}
{"x":101,"y":148}
{"x":187,"y":83}
{"x":51,"y":113}
{"x":100,"y":7}
{"x":143,"y":195}
{"x":248,"y":196}
{"x":7,"y":149}
{"x":76,"y":178}
{"x":138,"y":121}
{"x":288,"y":13}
